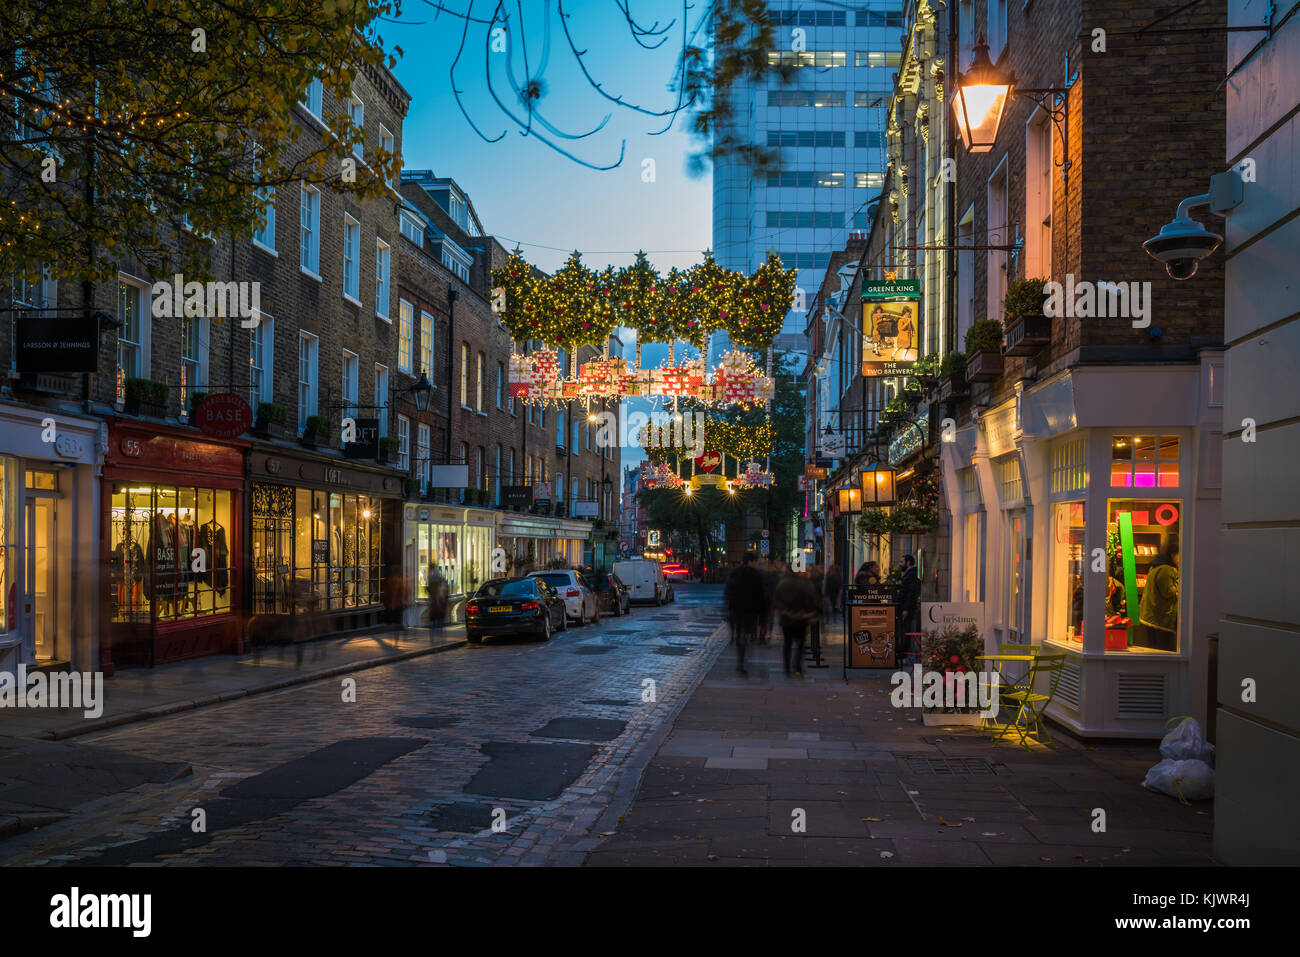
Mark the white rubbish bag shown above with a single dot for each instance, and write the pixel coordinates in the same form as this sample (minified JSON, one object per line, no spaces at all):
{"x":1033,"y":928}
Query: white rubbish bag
{"x":1186,"y":742}
{"x":1186,"y":780}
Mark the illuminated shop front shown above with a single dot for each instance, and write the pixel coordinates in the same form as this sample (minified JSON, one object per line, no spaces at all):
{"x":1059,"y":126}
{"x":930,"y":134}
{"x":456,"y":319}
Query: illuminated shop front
{"x":1098,"y":536}
{"x":456,"y":544}
{"x":171,"y":534}
{"x":317,"y":546}
{"x":49,"y":540}
{"x":450,"y":543}
{"x":535,"y":542}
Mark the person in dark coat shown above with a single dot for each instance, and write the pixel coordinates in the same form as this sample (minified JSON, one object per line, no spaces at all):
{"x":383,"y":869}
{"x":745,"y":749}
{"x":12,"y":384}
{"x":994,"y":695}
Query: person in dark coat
{"x":909,"y":598}
{"x":798,"y":605}
{"x":746,"y":603}
{"x":834,"y":584}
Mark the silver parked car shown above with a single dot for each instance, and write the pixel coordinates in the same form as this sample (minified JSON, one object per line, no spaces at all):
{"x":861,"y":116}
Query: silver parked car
{"x":579,"y":597}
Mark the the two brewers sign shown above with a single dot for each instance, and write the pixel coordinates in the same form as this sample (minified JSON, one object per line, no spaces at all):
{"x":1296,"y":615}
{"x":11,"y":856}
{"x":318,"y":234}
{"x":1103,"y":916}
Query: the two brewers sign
{"x":891,"y":314}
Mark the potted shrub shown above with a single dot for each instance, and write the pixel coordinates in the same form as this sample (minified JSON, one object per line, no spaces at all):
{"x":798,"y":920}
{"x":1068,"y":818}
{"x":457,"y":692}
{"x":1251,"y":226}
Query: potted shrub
{"x":146,"y":397}
{"x":984,"y":351}
{"x":317,"y":432}
{"x":412,"y":487}
{"x":953,"y":373}
{"x":388,"y":446}
{"x":271,"y":419}
{"x":1028,"y":327}
{"x":196,"y":399}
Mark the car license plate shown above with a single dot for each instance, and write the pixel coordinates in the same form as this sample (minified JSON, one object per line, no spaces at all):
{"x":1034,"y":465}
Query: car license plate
{"x":497,"y":608}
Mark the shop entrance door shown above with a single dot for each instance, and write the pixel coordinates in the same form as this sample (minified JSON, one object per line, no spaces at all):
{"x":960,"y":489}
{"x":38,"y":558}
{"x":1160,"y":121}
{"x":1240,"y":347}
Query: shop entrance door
{"x":41,"y":599}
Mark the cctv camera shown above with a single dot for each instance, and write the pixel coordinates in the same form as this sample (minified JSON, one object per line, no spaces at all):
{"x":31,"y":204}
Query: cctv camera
{"x":1181,"y":246}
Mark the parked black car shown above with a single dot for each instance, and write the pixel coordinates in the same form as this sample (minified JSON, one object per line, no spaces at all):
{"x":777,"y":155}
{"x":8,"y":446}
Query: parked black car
{"x":612,"y":596}
{"x":514,"y":606}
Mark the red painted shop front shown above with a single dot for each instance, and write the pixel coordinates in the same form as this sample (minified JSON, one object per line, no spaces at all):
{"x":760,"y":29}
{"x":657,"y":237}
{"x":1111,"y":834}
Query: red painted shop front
{"x":173,"y":502}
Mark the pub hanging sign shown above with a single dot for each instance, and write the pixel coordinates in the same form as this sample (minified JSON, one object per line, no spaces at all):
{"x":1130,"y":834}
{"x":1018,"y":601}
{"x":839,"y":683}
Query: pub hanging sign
{"x":891,"y":313}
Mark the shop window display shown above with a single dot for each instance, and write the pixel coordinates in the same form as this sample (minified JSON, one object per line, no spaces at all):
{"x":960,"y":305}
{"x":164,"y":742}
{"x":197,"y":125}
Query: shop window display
{"x":1142,"y":563}
{"x":272,"y":535}
{"x":1067,"y":570}
{"x":437,"y":554}
{"x":157,"y":571}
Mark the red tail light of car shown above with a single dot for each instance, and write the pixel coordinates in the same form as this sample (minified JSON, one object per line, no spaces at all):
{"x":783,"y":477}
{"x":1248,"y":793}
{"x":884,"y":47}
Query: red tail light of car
{"x":472,"y":607}
{"x":572,"y":593}
{"x":530,"y":606}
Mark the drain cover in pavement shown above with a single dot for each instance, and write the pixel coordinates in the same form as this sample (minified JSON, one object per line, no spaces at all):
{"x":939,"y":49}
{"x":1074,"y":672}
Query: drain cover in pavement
{"x":943,"y":767}
{"x":675,"y":650}
{"x":593,"y":649}
{"x":428,"y":721}
{"x":537,"y":772}
{"x":325,"y":771}
{"x":467,"y":818}
{"x":582,"y":729}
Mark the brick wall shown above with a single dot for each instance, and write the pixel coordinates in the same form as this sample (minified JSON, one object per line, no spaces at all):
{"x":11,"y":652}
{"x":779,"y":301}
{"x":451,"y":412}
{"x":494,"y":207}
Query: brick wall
{"x":1145,"y":130}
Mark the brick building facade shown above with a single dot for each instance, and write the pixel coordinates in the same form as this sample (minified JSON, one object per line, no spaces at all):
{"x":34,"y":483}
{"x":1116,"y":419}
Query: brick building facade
{"x":1067,"y":435}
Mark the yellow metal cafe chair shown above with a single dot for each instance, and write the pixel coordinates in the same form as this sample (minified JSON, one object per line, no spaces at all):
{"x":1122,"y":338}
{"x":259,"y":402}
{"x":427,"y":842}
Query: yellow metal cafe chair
{"x":1030,"y":704}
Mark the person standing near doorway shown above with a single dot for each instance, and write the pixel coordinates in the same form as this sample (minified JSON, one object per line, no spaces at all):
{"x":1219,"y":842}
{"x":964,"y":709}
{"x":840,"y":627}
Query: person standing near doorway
{"x":909,"y":598}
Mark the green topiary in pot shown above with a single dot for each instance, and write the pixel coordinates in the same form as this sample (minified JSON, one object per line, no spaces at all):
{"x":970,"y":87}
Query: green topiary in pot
{"x":984,"y":336}
{"x":953,"y":366}
{"x":1024,"y":300}
{"x":272,"y":414}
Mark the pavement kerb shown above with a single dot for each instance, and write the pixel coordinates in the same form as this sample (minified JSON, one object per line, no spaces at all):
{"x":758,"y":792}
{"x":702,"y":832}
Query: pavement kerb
{"x":130,"y":717}
{"x":630,"y":781}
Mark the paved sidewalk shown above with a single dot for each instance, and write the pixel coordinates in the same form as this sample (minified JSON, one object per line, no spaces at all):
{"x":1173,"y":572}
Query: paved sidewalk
{"x":750,"y":758}
{"x":137,"y":694}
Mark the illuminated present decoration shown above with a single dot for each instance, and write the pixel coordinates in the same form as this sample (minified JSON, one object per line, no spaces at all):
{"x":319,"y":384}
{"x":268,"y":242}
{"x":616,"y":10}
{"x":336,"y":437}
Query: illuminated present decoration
{"x":753,"y":477}
{"x":660,"y":475}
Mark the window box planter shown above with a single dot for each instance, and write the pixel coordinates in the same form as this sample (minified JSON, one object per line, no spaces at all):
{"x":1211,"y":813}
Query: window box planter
{"x":271,"y":419}
{"x":388,"y":447}
{"x":984,"y":366}
{"x":1026,"y":335}
{"x":318,"y":432}
{"x":146,"y":397}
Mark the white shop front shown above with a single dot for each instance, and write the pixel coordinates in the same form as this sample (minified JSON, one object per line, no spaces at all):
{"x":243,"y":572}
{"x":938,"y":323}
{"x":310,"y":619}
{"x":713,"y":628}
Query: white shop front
{"x":1066,"y":500}
{"x":451,"y":541}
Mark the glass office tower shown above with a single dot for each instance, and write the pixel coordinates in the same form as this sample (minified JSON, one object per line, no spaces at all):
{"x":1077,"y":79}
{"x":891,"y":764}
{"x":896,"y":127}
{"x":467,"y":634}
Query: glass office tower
{"x":828,"y":122}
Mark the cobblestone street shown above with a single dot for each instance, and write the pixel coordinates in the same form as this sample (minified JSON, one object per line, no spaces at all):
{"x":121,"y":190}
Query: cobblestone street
{"x":545,"y":737}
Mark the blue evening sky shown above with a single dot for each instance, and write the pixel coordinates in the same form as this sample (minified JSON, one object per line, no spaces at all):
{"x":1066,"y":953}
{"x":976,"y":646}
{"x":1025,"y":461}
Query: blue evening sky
{"x":523,"y":190}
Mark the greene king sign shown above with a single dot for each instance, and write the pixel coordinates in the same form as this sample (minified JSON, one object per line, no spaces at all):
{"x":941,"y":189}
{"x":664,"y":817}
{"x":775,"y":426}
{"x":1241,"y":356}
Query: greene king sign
{"x":886,"y":289}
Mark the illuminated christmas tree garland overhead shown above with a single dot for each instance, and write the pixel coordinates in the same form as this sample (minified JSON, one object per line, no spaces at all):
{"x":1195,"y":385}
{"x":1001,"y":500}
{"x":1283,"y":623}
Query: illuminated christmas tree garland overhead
{"x":580,"y":307}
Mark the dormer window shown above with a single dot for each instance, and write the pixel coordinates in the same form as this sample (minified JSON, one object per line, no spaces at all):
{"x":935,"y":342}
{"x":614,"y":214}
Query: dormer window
{"x":412,"y":228}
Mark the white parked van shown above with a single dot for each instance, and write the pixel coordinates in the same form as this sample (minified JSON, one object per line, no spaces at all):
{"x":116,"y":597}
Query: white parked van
{"x":645,"y":579}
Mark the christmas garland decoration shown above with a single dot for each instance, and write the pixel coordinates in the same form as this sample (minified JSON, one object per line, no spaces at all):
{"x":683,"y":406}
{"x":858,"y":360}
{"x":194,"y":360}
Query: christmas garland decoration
{"x":730,"y":438}
{"x":580,"y":307}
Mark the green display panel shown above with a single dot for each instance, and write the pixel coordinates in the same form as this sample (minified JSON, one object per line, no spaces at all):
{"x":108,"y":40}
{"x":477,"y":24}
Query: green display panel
{"x":1130,"y":570}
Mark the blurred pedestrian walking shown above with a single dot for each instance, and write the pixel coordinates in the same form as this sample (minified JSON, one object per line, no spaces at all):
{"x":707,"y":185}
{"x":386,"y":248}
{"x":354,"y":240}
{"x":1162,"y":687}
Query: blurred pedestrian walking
{"x":747,"y":605}
{"x":798,"y":605}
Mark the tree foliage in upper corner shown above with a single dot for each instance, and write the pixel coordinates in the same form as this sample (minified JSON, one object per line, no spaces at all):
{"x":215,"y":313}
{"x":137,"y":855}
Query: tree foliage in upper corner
{"x":740,"y":36}
{"x":118,"y":117}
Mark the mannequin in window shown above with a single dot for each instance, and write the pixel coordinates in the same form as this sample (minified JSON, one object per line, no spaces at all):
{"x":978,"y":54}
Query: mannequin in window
{"x":160,"y":564}
{"x":211,"y":537}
